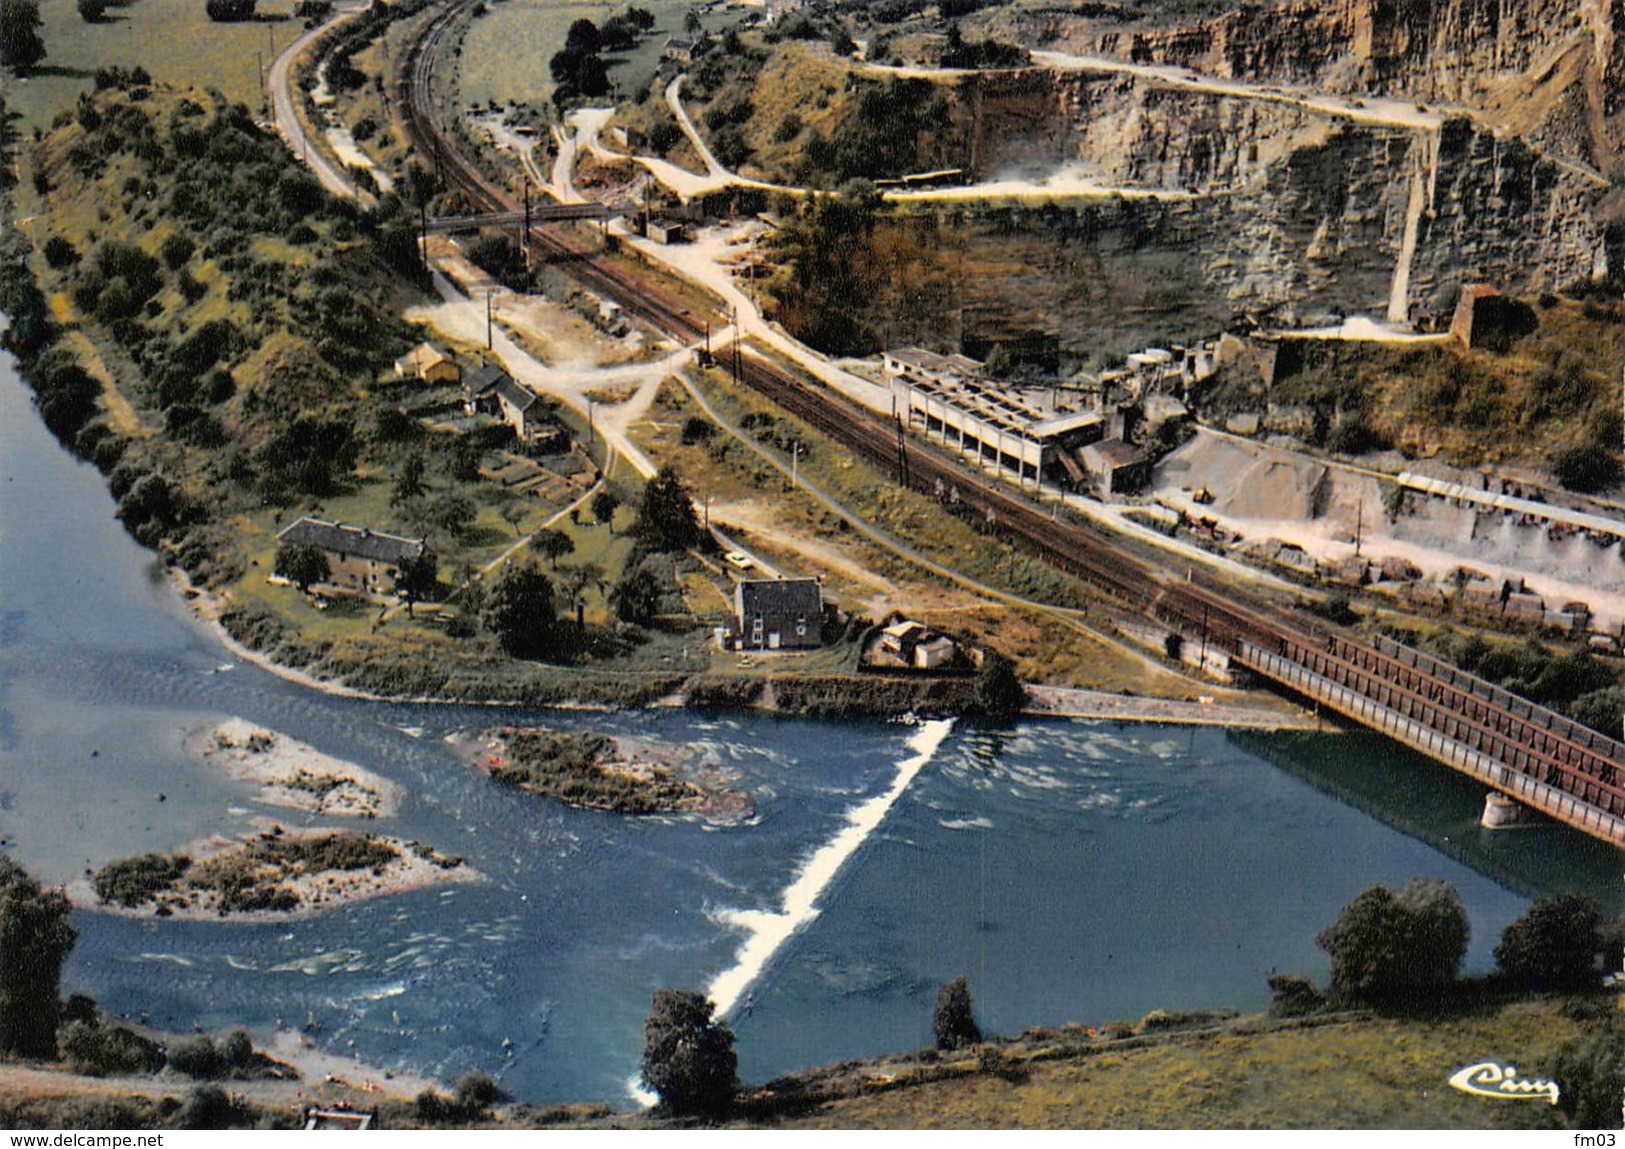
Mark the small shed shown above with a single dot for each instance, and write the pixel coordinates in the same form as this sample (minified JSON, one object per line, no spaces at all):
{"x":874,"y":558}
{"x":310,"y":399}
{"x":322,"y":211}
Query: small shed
{"x":682,"y":51}
{"x":668,"y":230}
{"x":937,"y":651}
{"x":428,"y":363}
{"x":1117,"y":467}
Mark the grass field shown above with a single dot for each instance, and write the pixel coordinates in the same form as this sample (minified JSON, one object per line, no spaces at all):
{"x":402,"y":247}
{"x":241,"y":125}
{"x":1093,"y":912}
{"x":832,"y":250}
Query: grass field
{"x":505,"y":55}
{"x":1375,"y":1073}
{"x":172,"y":39}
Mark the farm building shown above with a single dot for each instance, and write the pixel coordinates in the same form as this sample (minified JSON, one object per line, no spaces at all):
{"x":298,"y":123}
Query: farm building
{"x":360,"y":558}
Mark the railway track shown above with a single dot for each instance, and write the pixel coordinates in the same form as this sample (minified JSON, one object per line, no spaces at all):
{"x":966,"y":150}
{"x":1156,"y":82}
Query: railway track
{"x":1534,"y":743}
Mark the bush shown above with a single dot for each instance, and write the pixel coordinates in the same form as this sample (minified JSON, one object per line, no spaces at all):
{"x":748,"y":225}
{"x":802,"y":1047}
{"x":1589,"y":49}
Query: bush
{"x":1554,"y":945}
{"x":1591,"y":1071}
{"x":475,"y":1092}
{"x":209,"y":1107}
{"x":106,"y":1051}
{"x":1397,"y":950}
{"x":1292,"y":996}
{"x":1587,"y":468}
{"x":198,"y":1057}
{"x":59,"y":253}
{"x":688,"y":1056}
{"x":131,"y":882}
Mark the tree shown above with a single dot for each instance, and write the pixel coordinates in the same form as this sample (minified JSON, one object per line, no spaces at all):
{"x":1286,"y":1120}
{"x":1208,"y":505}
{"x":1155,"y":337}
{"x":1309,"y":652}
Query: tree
{"x":416,"y":579}
{"x":1397,"y":949}
{"x":552,"y":545}
{"x":227,"y":10}
{"x":998,"y":693}
{"x":452,"y":512}
{"x":953,"y":1022}
{"x":409,"y":483}
{"x":20,"y":45}
{"x":583,"y":37}
{"x":35,"y":937}
{"x":519,"y":611}
{"x":513,"y":513}
{"x":666,"y":520}
{"x":92,"y":11}
{"x":688,"y":1056}
{"x":603,"y":508}
{"x":1554,"y":945}
{"x":691,"y":22}
{"x":302,"y":564}
{"x":636,"y":597}
{"x":575,"y":581}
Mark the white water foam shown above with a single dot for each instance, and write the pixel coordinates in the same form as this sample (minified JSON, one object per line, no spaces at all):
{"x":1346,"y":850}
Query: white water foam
{"x":768,"y":930}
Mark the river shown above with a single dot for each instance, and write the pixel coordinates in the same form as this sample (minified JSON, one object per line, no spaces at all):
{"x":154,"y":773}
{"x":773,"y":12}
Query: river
{"x":1073,"y":871}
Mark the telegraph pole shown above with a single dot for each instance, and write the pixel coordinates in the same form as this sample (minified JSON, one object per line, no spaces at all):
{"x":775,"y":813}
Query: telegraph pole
{"x":489,"y":292}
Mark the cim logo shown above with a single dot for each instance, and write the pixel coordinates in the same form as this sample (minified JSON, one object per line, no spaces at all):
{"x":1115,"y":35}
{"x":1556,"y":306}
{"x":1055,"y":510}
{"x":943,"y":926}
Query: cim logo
{"x":1487,"y":1079}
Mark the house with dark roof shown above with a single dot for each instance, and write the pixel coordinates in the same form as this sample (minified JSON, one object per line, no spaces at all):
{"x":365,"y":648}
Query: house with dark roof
{"x":779,"y":614}
{"x":494,"y":391}
{"x":360,"y":558}
{"x":479,"y":386}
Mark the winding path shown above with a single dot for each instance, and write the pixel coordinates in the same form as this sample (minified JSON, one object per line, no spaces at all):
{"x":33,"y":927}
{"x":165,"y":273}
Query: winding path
{"x":285,"y":113}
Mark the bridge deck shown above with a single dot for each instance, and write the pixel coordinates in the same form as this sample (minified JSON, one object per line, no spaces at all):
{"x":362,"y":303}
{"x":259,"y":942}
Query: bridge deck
{"x":1469,"y":747}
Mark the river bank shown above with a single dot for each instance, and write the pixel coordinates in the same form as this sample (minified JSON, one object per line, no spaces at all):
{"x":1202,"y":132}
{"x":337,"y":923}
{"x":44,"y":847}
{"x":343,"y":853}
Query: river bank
{"x":807,"y":695}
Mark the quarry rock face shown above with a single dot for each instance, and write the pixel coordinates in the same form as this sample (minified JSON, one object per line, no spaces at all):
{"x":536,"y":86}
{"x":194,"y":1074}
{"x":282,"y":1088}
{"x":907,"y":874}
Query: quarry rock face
{"x":1276,"y":203}
{"x":1480,"y":53}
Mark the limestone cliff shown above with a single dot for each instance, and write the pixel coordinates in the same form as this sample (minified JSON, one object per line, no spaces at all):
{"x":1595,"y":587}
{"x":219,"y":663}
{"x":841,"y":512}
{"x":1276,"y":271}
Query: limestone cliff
{"x":1550,"y":67}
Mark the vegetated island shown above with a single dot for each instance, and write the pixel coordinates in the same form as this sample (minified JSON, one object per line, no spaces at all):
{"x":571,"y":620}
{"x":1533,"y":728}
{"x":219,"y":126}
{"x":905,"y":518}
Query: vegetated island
{"x":292,"y":774}
{"x":276,"y":873}
{"x":599,"y":772}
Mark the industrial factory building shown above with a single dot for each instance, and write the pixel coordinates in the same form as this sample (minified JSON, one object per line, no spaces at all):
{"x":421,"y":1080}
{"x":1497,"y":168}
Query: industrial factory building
{"x":951,"y":399}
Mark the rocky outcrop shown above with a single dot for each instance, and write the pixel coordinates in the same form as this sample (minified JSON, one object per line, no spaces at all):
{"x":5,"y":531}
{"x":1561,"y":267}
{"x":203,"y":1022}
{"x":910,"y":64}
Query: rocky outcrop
{"x":1292,"y":206}
{"x":1560,"y":63}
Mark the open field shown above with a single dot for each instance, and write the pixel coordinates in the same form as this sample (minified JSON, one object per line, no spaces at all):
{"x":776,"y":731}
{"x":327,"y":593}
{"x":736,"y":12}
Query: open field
{"x":1362,"y":1073}
{"x":506,"y":52}
{"x":174,"y":41}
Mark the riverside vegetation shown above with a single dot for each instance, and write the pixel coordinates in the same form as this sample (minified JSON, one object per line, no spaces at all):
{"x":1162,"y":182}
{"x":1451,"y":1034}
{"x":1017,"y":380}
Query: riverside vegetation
{"x":1369,"y":1052}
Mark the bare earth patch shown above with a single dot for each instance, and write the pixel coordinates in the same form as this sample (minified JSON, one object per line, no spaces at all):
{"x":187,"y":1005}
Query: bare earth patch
{"x":293,"y":775}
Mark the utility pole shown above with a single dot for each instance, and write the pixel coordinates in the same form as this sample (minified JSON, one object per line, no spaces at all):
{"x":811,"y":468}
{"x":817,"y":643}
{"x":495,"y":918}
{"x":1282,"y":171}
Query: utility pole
{"x":527,"y":225}
{"x":795,"y":462}
{"x":489,"y":292}
{"x":423,"y":235}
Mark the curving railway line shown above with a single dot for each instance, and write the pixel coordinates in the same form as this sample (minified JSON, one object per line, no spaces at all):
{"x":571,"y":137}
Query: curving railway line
{"x":1534,"y":754}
